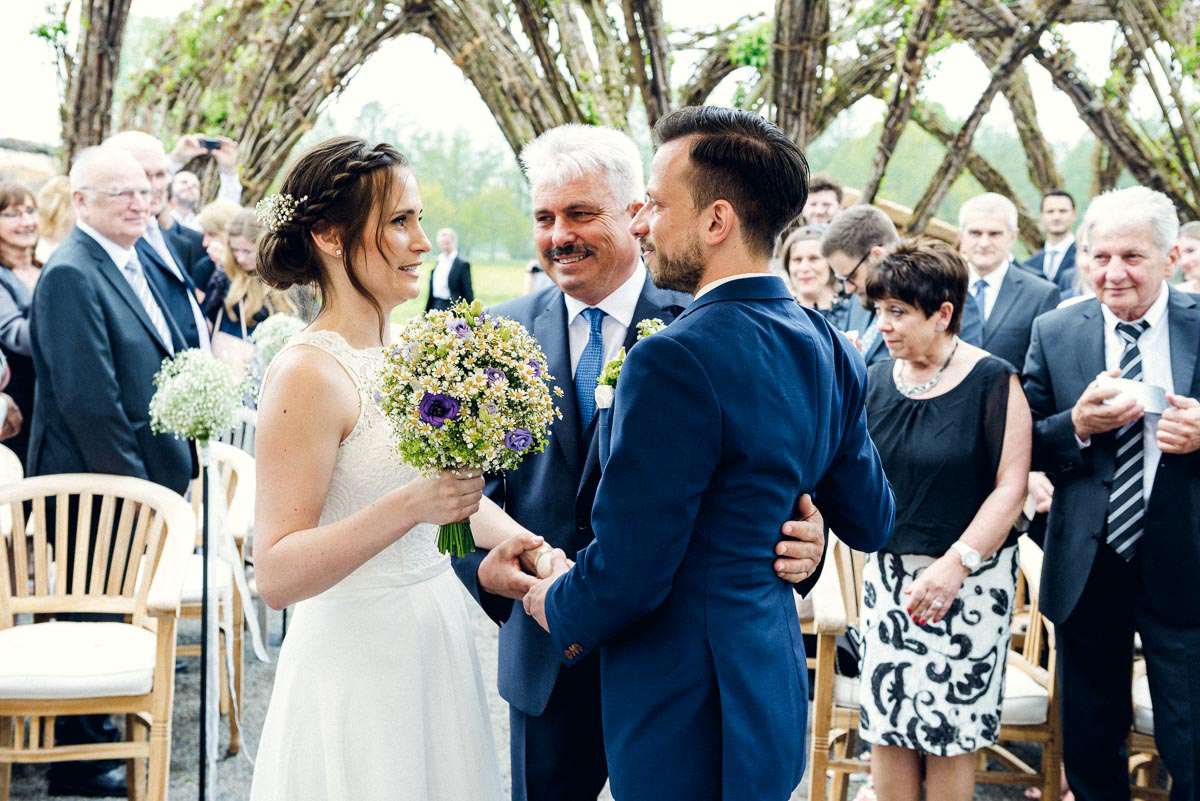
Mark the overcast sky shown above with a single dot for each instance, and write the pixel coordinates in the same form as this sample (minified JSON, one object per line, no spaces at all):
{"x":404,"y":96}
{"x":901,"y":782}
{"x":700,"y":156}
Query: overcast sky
{"x":414,"y":80}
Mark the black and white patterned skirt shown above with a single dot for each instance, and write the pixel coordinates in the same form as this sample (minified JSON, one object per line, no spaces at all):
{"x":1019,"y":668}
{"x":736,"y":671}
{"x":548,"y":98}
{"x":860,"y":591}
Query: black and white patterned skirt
{"x":935,"y":688}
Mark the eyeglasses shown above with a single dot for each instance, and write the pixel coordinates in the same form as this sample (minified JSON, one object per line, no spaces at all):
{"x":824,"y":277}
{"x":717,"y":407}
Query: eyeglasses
{"x":848,"y":277}
{"x":124,"y":195}
{"x":16,"y":214}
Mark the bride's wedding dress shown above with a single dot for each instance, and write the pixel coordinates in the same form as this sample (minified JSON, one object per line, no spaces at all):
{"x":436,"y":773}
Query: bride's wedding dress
{"x":378,"y":693}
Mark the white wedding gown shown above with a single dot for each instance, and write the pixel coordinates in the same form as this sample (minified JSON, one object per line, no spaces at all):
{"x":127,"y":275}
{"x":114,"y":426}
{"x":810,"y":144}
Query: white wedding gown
{"x":378,"y":693}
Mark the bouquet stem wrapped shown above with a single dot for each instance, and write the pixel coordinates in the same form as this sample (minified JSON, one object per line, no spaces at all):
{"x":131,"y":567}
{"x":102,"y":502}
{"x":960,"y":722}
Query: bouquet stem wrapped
{"x":464,"y":389}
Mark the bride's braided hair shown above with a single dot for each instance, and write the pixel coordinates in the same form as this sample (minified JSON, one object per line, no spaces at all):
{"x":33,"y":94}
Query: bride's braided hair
{"x":340,"y":180}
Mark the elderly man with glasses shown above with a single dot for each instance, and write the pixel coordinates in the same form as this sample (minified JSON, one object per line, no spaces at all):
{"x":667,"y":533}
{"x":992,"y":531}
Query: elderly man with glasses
{"x":854,"y":244}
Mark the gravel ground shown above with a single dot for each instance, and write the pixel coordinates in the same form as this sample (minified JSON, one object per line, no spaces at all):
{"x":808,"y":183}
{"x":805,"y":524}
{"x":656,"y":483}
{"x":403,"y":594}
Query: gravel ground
{"x":233,"y":773}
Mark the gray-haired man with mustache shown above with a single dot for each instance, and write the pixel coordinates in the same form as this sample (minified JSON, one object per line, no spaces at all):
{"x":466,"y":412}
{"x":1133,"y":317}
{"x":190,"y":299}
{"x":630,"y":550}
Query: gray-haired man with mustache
{"x":587,"y":185}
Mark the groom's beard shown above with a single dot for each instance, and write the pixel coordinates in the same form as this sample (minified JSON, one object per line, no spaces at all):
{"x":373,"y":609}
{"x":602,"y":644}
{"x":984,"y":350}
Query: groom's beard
{"x":683,"y":273}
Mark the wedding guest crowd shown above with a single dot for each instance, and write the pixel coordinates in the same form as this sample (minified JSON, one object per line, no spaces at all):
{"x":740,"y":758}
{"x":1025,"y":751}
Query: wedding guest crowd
{"x":450,"y":280}
{"x":824,"y":202}
{"x":812,"y":281}
{"x":19,"y":272}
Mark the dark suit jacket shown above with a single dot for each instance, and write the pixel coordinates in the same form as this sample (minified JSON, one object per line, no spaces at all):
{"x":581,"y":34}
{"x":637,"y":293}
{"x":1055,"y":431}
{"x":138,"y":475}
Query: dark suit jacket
{"x":1022,"y":297}
{"x":551,"y":492}
{"x":851,"y":316}
{"x":1064,"y":278}
{"x":173,"y":289}
{"x":189,"y":244}
{"x":459,"y":280}
{"x":96,"y":353}
{"x":1065,"y":355}
{"x":720,"y":422}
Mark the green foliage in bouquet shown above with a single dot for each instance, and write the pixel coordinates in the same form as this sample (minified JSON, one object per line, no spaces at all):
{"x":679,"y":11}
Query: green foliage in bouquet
{"x":466,"y":389}
{"x":612,"y":370}
{"x":197,"y":396}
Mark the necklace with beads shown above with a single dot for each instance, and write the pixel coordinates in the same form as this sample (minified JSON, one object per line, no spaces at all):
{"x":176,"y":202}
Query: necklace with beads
{"x":911,"y":390}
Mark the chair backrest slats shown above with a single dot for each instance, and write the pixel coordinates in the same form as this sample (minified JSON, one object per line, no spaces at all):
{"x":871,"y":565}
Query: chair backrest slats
{"x":133,"y":554}
{"x":61,"y":535}
{"x":41,"y":571}
{"x":120,"y":548}
{"x":20,"y":551}
{"x":83,"y":545}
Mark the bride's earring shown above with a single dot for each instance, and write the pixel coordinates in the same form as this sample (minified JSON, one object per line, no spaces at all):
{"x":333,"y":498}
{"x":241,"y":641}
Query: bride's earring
{"x":337,"y":252}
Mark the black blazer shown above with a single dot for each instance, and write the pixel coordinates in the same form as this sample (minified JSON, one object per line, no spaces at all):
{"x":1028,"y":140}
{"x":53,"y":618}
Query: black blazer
{"x":1065,"y":355}
{"x":192,"y":258}
{"x":459,"y":280}
{"x":96,"y":353}
{"x":173,"y":289}
{"x":1064,"y":279}
{"x":1022,"y":297}
{"x":551,"y":492}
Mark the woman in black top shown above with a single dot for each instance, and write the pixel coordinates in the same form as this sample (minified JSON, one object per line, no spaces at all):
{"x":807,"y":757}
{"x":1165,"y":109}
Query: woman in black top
{"x":953,"y":429}
{"x":19,"y":272}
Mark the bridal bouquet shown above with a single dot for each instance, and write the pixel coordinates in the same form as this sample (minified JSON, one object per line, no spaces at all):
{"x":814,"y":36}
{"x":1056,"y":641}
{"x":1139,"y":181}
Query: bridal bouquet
{"x":466,"y":390}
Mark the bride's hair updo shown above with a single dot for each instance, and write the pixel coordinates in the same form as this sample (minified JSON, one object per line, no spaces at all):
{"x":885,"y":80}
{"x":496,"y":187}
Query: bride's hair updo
{"x":334,"y":184}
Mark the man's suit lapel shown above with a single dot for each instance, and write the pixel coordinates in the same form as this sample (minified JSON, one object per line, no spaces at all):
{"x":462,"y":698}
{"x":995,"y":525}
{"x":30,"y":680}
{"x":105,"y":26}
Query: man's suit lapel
{"x":112,"y":274}
{"x":1006,"y":300}
{"x":1090,"y":345}
{"x":1183,"y":320}
{"x":550,"y":329}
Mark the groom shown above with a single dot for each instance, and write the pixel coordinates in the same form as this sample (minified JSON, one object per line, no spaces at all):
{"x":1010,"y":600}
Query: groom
{"x":748,"y":399}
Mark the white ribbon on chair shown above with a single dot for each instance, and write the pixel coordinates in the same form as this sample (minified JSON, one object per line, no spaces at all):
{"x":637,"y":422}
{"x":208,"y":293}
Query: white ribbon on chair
{"x":223,"y":554}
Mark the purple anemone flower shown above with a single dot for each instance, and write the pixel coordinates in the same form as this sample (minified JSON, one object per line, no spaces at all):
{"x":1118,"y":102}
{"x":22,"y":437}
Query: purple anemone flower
{"x":519,"y":440}
{"x":437,"y":409}
{"x":459,"y":327}
{"x":537,"y":368}
{"x":493,"y":375}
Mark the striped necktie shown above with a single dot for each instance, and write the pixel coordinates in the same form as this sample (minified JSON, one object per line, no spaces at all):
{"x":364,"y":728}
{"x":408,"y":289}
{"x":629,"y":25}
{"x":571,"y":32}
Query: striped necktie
{"x":1126,"y":504}
{"x":137,"y":281}
{"x":588,"y":369}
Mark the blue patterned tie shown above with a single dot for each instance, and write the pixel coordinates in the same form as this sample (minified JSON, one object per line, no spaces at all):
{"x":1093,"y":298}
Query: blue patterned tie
{"x":1126,"y":504}
{"x":588,"y":369}
{"x":981,"y":287}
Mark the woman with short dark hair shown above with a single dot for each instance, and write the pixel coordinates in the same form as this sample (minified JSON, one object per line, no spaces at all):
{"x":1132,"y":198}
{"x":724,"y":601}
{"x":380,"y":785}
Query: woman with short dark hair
{"x":954,"y":431}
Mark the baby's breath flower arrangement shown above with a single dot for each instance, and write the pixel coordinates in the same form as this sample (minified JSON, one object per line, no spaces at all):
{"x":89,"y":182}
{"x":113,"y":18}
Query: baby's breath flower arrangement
{"x":196,"y":396}
{"x":466,"y":389}
{"x":606,"y":382}
{"x":275,"y":211}
{"x":271,"y":335}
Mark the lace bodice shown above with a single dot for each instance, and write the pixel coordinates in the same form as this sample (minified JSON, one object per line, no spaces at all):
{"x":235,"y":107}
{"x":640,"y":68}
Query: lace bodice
{"x":368,"y":463}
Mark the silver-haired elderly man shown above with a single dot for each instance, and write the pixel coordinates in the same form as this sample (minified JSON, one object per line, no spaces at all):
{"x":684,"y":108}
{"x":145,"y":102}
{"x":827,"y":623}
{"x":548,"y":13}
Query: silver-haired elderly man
{"x":1112,"y":383}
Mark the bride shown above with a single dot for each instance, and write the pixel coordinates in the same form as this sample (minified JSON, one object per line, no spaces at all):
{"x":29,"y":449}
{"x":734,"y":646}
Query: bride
{"x":377,"y":692}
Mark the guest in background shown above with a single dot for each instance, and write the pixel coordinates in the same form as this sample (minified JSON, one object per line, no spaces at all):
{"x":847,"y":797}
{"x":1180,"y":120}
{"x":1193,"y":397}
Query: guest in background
{"x":213,"y":220}
{"x":1008,"y":299}
{"x":183,"y":196}
{"x":167,"y":268}
{"x":1056,"y":261}
{"x":854,"y":244}
{"x":237,"y":300}
{"x":953,"y":429}
{"x":19,"y":276}
{"x":824,"y":200}
{"x":451,"y":278}
{"x":1189,"y":256}
{"x":1122,"y":555}
{"x":55,"y":216}
{"x":810,"y":278}
{"x":1083,"y":289}
{"x":224,"y":155}
{"x":535,"y":278}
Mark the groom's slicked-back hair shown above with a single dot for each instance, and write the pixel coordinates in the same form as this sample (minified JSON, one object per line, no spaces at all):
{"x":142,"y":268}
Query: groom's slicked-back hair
{"x":569,"y":152}
{"x":742,"y":158}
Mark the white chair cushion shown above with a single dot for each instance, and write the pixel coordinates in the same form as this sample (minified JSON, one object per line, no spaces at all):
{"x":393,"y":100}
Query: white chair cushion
{"x":1143,"y":709}
{"x":845,"y":691}
{"x":220,"y":580}
{"x":1026,"y":702}
{"x":76,"y":660}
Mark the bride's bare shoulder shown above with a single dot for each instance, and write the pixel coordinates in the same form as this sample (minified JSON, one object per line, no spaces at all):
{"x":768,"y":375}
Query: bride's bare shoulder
{"x":311,"y":387}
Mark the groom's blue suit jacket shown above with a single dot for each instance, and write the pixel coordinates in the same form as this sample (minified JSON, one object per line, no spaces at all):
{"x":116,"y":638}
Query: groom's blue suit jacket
{"x":721,"y":421}
{"x":551,"y":492}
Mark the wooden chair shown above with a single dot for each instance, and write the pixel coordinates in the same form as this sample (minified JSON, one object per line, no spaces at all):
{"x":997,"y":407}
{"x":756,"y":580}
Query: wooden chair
{"x":10,"y":466}
{"x":1144,"y":762}
{"x":243,"y":431}
{"x":236,"y":470}
{"x":133,"y":565}
{"x":1029,"y":711}
{"x":11,"y":471}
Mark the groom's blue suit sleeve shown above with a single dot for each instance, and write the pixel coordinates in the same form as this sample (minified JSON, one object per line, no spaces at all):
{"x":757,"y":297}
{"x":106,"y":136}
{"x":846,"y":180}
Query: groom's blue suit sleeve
{"x":666,"y":444}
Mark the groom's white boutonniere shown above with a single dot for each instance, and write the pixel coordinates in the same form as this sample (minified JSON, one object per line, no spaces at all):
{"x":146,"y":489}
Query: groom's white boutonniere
{"x":606,"y":382}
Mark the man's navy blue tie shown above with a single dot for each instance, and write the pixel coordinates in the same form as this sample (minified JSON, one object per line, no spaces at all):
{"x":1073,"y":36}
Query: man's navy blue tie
{"x":591,"y":361}
{"x":1126,"y":504}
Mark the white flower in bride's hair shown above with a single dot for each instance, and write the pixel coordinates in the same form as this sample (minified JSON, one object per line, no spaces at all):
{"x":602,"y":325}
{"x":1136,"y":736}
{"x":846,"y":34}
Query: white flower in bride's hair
{"x":604,"y":396}
{"x":276,"y":211}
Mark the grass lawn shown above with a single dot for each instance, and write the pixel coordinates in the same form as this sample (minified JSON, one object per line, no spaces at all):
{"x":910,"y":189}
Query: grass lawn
{"x":494,"y":282}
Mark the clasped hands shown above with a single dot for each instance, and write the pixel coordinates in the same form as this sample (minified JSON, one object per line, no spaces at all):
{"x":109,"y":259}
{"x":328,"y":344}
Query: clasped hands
{"x":501,"y":571}
{"x":1178,"y":428}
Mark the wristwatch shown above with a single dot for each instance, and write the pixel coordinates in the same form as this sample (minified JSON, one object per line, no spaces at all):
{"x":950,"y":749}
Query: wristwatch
{"x":969,"y":556}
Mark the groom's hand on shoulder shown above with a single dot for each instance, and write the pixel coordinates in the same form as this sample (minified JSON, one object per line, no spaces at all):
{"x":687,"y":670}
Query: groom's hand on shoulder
{"x":500,"y":571}
{"x":802,"y":545}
